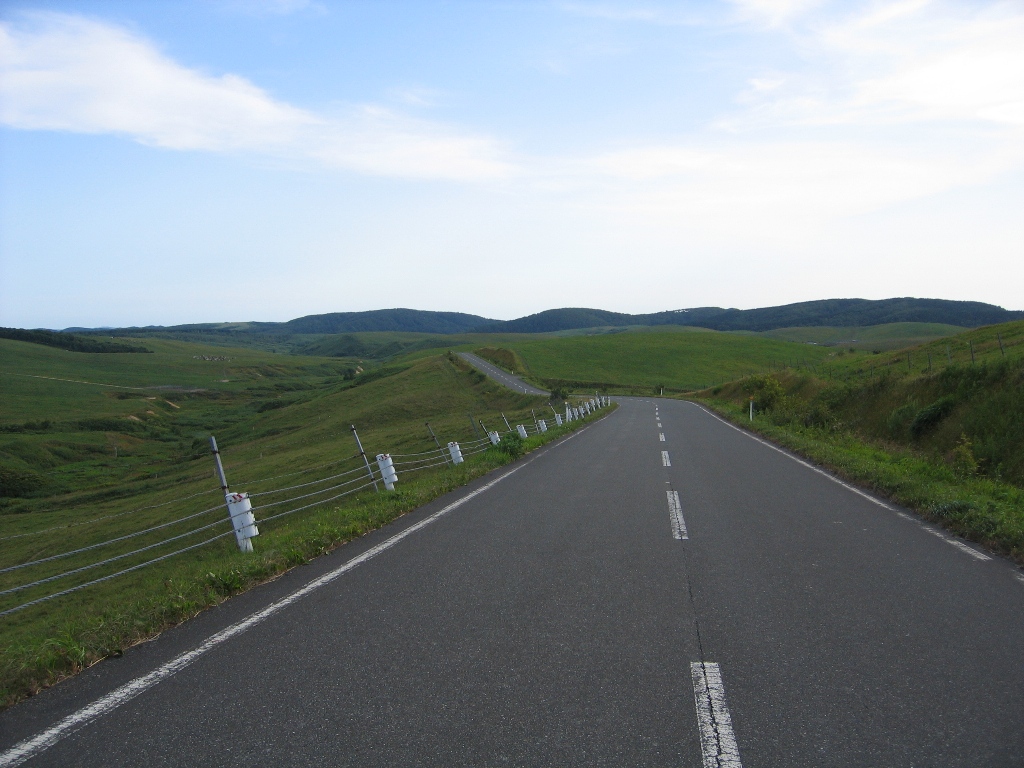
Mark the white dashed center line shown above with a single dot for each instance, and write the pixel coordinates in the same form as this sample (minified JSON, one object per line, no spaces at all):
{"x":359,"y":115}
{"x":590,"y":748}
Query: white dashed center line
{"x":717,"y":740}
{"x":665,"y":462}
{"x":661,"y":436}
{"x":675,"y":514}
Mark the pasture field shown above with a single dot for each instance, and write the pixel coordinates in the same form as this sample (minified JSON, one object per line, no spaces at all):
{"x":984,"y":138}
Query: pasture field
{"x":281,"y":421}
{"x":870,"y":337}
{"x":639,"y":359}
{"x":680,"y":359}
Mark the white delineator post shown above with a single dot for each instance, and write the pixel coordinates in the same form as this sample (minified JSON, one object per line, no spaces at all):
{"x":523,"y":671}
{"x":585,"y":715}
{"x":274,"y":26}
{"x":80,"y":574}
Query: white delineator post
{"x":495,"y":437}
{"x":238,"y":504}
{"x":558,"y":419}
{"x":456,"y":452}
{"x":521,"y":430}
{"x":387,"y":470}
{"x":542,"y":425}
{"x":242,"y":519}
{"x":751,"y":409}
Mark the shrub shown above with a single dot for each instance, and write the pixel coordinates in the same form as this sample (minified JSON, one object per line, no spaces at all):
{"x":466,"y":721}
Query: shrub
{"x":964,"y":463}
{"x":931,"y":415}
{"x":512,"y":445}
{"x":20,"y":482}
{"x":766,"y":391}
{"x":900,"y":418}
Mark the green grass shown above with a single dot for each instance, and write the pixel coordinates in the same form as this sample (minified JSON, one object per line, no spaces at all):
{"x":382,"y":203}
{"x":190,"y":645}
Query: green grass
{"x":275,"y":414}
{"x":947,"y":442}
{"x":640,"y":361}
{"x":872,"y":337}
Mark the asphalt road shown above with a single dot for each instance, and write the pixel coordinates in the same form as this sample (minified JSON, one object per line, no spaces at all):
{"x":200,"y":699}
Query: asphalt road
{"x":500,"y":376}
{"x":567,"y":611}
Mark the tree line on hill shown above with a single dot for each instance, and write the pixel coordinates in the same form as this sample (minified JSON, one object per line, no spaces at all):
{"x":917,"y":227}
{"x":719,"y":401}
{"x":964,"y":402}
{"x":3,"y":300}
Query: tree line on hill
{"x":827,"y":312}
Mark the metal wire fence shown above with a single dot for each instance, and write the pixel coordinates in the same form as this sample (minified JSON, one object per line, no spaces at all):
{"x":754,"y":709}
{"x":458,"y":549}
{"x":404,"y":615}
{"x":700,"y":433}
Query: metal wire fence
{"x":360,"y":475}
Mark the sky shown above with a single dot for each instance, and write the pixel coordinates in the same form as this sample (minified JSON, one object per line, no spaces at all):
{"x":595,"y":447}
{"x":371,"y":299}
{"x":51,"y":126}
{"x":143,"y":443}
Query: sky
{"x":231,"y":160}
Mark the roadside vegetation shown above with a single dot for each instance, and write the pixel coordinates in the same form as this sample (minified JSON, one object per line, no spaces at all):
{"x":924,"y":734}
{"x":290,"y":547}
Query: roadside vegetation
{"x":91,"y":444}
{"x":91,"y":436}
{"x":938,"y":428}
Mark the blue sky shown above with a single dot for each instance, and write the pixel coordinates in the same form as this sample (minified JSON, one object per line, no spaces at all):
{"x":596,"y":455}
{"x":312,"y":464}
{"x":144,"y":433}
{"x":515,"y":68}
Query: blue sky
{"x":265,"y":159}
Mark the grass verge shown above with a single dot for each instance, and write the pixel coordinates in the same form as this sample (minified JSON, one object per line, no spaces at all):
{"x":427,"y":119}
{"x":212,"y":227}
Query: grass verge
{"x":980,"y":509}
{"x":82,"y":632}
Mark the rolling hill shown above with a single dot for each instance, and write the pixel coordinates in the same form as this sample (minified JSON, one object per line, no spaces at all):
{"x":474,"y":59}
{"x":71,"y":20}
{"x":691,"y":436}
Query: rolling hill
{"x":828,"y":312}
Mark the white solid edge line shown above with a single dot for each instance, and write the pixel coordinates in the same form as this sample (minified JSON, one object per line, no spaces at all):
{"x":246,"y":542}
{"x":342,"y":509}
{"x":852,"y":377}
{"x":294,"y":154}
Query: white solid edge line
{"x":717,"y":741}
{"x":958,"y":544}
{"x":32,"y":746}
{"x":665,"y":461}
{"x":28,"y":748}
{"x":949,"y":540}
{"x":675,"y":514}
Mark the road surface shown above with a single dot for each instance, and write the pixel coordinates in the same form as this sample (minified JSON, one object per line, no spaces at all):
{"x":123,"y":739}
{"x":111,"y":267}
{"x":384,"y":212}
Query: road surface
{"x":658,"y":589}
{"x":502,"y":377}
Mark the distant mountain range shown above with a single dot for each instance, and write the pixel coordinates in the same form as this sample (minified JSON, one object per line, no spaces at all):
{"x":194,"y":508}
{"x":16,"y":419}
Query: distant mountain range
{"x":827,"y":312}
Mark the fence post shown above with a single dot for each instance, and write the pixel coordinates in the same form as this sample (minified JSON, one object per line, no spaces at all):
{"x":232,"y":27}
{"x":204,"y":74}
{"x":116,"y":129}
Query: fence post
{"x":238,"y":504}
{"x":1000,"y":340}
{"x":506,"y":422}
{"x":535,"y":423}
{"x":476,"y":430}
{"x":437,"y":443}
{"x":365,"y":460}
{"x":972,"y":350}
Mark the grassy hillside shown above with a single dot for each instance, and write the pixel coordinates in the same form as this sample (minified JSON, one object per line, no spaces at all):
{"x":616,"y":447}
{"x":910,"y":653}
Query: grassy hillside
{"x":281,"y":421}
{"x":928,"y":426}
{"x":828,"y":312}
{"x":677,"y":359}
{"x":872,"y":337}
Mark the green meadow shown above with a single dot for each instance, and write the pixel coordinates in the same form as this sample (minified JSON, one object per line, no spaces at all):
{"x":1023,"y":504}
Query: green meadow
{"x":870,"y":337}
{"x":94,"y":446}
{"x":98,"y":446}
{"x":678,"y":359}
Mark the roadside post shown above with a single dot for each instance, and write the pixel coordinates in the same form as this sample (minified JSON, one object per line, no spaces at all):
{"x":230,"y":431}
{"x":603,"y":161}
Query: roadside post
{"x":238,"y":504}
{"x":366,"y":461}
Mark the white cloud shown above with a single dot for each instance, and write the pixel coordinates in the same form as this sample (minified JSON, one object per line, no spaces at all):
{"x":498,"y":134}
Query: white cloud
{"x":775,"y":12}
{"x":67,"y":73}
{"x":910,"y":61}
{"x":744,"y":190}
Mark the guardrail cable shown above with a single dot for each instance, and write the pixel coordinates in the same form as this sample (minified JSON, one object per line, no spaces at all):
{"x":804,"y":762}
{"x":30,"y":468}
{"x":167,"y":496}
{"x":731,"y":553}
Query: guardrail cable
{"x":109,"y":541}
{"x":112,"y":575}
{"x":111,"y":559}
